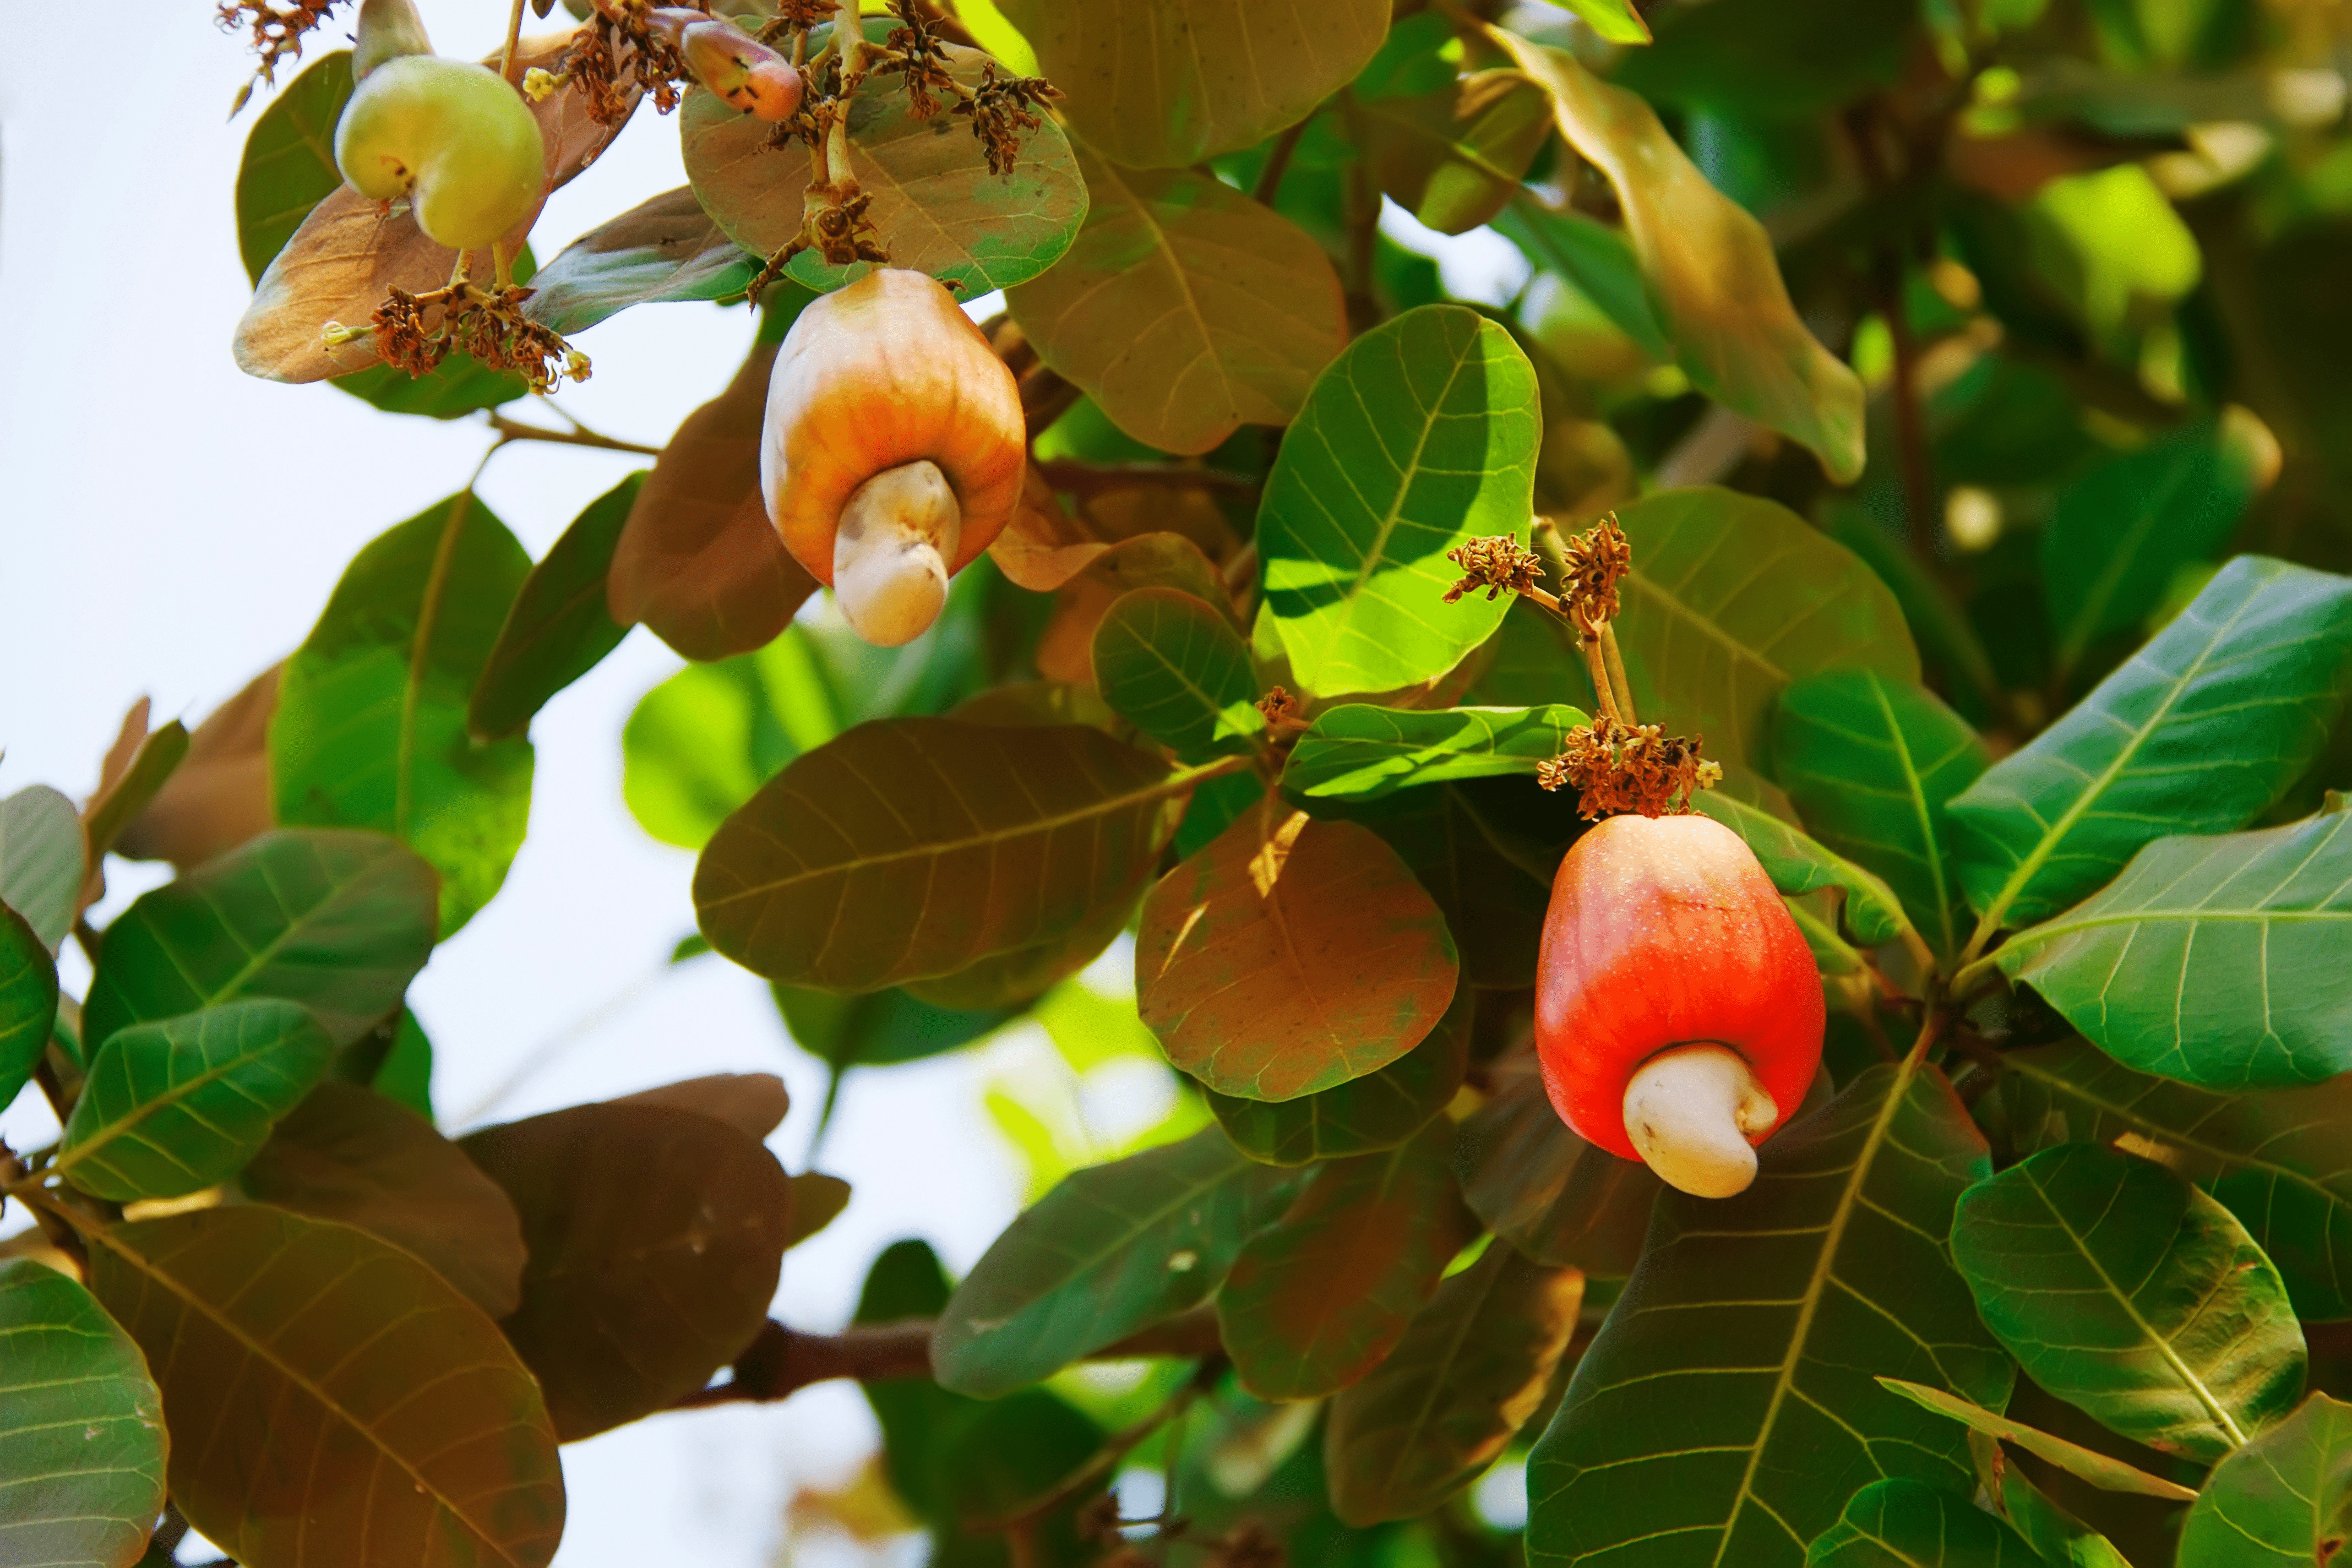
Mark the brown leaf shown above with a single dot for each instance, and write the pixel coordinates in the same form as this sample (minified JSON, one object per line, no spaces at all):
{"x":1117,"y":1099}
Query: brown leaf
{"x":699,"y":564}
{"x":219,"y":796}
{"x":1040,"y":548}
{"x":349,"y":252}
{"x":1065,"y":648}
{"x":140,"y":763}
{"x":1291,"y":955}
{"x":753,"y":1103}
{"x":817,"y":1202}
{"x":1552,"y":1197}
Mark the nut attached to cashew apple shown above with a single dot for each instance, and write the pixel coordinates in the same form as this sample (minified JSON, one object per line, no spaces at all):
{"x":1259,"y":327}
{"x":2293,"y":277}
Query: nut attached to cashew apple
{"x":893,"y":449}
{"x":453,"y":137}
{"x":1678,"y":1010}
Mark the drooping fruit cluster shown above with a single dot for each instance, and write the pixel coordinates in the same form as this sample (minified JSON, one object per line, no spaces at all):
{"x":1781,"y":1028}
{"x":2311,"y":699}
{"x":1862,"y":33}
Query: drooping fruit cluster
{"x":893,"y":448}
{"x":1678,"y":1011}
{"x":454,"y":138}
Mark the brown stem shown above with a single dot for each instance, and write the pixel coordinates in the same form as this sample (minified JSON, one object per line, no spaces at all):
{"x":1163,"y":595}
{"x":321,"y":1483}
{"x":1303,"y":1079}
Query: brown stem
{"x":507,"y":61}
{"x":1094,"y":478}
{"x":1588,"y":642}
{"x":1910,"y":419}
{"x":515,"y":430}
{"x":1278,"y":163}
{"x":1621,"y":688}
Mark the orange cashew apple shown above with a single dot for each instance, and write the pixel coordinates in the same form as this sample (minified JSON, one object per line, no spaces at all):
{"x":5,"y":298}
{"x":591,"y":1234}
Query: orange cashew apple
{"x":731,"y":62}
{"x":1678,"y":1010}
{"x":893,"y":449}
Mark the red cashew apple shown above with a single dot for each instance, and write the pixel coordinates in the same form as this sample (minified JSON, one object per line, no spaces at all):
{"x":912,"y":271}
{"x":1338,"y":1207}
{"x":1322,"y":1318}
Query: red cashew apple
{"x":1678,"y":1010}
{"x":893,"y":448}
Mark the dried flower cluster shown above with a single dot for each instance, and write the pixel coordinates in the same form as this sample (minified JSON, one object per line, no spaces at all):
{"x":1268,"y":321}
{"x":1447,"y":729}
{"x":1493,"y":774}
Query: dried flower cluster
{"x":1619,"y":767}
{"x":277,"y":34}
{"x":1002,"y":108}
{"x":613,"y":59}
{"x":1597,"y":559}
{"x":1494,"y":565}
{"x":1282,"y":710}
{"x":417,"y":332}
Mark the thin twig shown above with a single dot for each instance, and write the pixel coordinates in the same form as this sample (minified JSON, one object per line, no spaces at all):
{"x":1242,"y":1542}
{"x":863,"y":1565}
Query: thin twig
{"x":515,"y":430}
{"x":1620,"y":685}
{"x":1278,"y":163}
{"x":507,"y":61}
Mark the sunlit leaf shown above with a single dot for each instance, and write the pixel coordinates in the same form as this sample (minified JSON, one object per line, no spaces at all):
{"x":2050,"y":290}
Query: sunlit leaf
{"x":1380,"y":1110}
{"x":1319,"y":1297}
{"x":1724,"y":1415}
{"x":1870,"y":763}
{"x":1176,"y":670}
{"x":1356,"y":751}
{"x":1470,"y":1370}
{"x":1289,"y":957}
{"x":1799,"y":865}
{"x":1143,"y":88}
{"x":2217,"y":960}
{"x":753,"y":1103}
{"x":558,"y":629}
{"x":2197,"y":732}
{"x":2280,"y":1160}
{"x":2123,"y":1289}
{"x":648,"y":1227}
{"x":2058,"y":1537}
{"x":272,"y":1333}
{"x":349,"y":1155}
{"x":1709,"y":266}
{"x":664,"y":249}
{"x":913,"y":847}
{"x":338,"y":922}
{"x":699,"y":562}
{"x":29,"y":1002}
{"x":371,"y":724}
{"x":42,"y":859}
{"x":1453,"y":157}
{"x":1422,"y":436}
{"x":218,"y":797}
{"x":1554,"y":1198}
{"x":1184,"y":308}
{"x":2085,"y":1464}
{"x":1110,"y":1250}
{"x":81,"y":1428}
{"x":1915,"y":1525}
{"x":2285,"y":1498}
{"x":936,"y":206}
{"x":176,"y":1106}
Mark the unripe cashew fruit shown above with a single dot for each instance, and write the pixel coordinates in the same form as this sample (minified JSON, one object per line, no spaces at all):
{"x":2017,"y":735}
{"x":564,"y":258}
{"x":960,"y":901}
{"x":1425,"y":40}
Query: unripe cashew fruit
{"x":454,"y":137}
{"x":388,"y":30}
{"x":1678,"y":1010}
{"x":731,"y":62}
{"x":893,"y":448}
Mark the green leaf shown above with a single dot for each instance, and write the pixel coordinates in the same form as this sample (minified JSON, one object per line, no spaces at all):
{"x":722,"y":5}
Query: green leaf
{"x":648,"y":1227}
{"x":1176,"y":670}
{"x":558,"y":629}
{"x":349,"y":1155}
{"x":880,"y":1028}
{"x":43,"y":856}
{"x":1290,"y":956}
{"x":1871,"y":763}
{"x":1465,"y":844}
{"x":2217,"y":960}
{"x":128,"y":790}
{"x":2085,"y":1464}
{"x":1321,"y":1297}
{"x":1594,"y":257}
{"x":1797,"y":866}
{"x":1904,"y":1523}
{"x":1184,"y":308}
{"x":1754,"y":57}
{"x":1142,"y":89}
{"x":2197,"y":732}
{"x":405,"y":1075}
{"x":2059,"y":1538}
{"x":1731,"y":599}
{"x":275,"y":1334}
{"x":1422,"y":436}
{"x":914,"y":848}
{"x":1110,"y":1250}
{"x":1724,"y":1414}
{"x":1556,"y":1199}
{"x":937,"y":207}
{"x":1380,"y":1110}
{"x":2280,"y":1160}
{"x":1453,"y":157}
{"x":338,"y":922}
{"x":370,"y":723}
{"x":1712,"y":277}
{"x":700,"y":744}
{"x":1471,"y":1369}
{"x":29,"y":1002}
{"x":81,"y":1428}
{"x":664,"y":249}
{"x":1357,"y":751}
{"x":173,"y":1107}
{"x":2123,"y":1289}
{"x":2285,"y":1497}
{"x":2117,"y":535}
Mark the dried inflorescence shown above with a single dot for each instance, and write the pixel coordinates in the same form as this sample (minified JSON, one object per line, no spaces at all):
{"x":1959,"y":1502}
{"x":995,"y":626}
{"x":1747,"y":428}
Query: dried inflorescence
{"x":1282,"y":710}
{"x":1596,"y":560}
{"x":920,"y":57}
{"x":277,"y":33}
{"x":612,"y":61}
{"x":1495,"y":564}
{"x":1002,"y":108}
{"x":416,"y":332}
{"x":1638,"y":767}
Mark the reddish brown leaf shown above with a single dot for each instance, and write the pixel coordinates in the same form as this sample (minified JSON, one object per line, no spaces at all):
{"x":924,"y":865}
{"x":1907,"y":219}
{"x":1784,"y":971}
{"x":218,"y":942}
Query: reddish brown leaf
{"x":1550,"y":1195}
{"x":219,"y":796}
{"x":1066,"y":650}
{"x":700,"y":564}
{"x":753,"y":1103}
{"x":1291,"y":955}
{"x":1040,"y":548}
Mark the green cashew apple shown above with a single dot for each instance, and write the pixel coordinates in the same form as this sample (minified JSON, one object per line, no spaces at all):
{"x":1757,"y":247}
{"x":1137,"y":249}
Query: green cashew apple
{"x":453,"y":137}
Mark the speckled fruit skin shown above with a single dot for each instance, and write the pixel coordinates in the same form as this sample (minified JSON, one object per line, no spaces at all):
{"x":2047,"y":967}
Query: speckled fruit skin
{"x":1664,"y":931}
{"x":452,"y":136}
{"x":887,"y":370}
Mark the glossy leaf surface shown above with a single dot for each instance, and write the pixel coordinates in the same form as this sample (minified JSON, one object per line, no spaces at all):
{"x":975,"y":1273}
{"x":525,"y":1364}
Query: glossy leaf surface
{"x":1357,"y":751}
{"x":1491,"y":881}
{"x":1176,"y":670}
{"x":2123,"y":1289}
{"x":333,"y":920}
{"x":2285,"y":1498}
{"x":370,"y":723}
{"x":29,"y":1002}
{"x":1453,"y":157}
{"x":1110,"y":1250}
{"x":1290,"y":956}
{"x":665,"y":249}
{"x":1380,"y":1110}
{"x":2087,"y":1464}
{"x":423,"y":1439}
{"x":1914,"y":1525}
{"x":558,"y":629}
{"x":1422,"y":436}
{"x":1799,"y":865}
